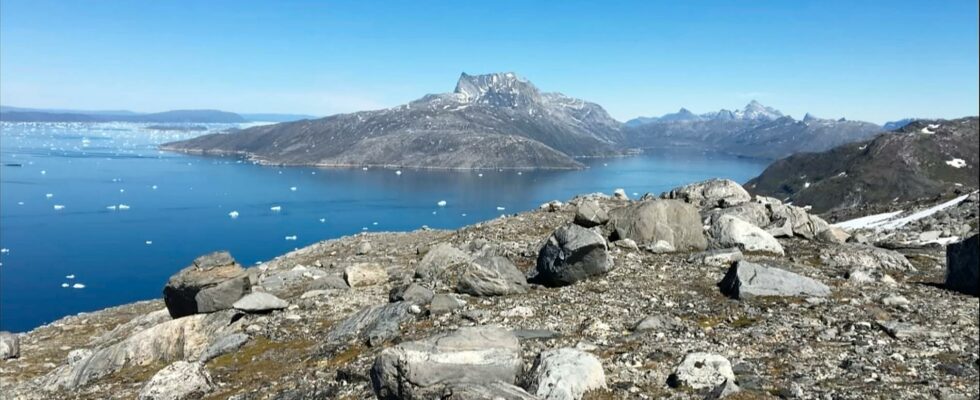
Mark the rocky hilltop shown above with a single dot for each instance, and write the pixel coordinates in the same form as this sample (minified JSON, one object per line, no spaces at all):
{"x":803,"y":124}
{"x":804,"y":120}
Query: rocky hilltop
{"x":489,"y":121}
{"x":700,"y":292}
{"x":923,"y":160}
{"x":755,"y":131}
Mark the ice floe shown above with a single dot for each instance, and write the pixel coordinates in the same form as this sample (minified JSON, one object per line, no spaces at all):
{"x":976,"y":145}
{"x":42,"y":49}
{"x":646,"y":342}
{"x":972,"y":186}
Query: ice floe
{"x":441,"y":203}
{"x":59,"y":207}
{"x":291,"y":237}
{"x":956,"y":163}
{"x":276,"y":208}
{"x":233,"y":214}
{"x":78,"y":286}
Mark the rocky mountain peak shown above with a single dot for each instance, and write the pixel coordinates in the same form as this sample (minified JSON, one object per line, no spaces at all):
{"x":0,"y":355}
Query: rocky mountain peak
{"x":504,"y":89}
{"x":755,"y":110}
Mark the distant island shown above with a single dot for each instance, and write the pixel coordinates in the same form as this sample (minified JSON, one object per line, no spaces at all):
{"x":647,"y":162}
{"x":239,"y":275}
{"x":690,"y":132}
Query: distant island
{"x":502,"y":121}
{"x":180,"y":128}
{"x":19,"y":114}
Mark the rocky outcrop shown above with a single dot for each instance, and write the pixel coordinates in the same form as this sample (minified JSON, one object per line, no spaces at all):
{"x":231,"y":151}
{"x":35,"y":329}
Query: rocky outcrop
{"x":854,"y":256}
{"x":438,"y":260}
{"x":181,"y":380}
{"x":470,"y":355}
{"x":649,"y":222}
{"x":746,"y":280}
{"x":491,"y":276}
{"x":373,"y":325}
{"x":412,"y":293}
{"x":260,"y":302}
{"x":963,"y":266}
{"x":365,"y":274}
{"x":701,"y":371}
{"x":565,"y":374}
{"x":728,"y":231}
{"x":571,"y":253}
{"x":710,"y":193}
{"x":9,"y":346}
{"x":211,"y":283}
{"x":591,"y":213}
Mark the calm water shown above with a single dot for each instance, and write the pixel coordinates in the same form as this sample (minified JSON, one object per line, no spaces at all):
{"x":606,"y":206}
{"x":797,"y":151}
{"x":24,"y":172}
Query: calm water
{"x":178,"y":208}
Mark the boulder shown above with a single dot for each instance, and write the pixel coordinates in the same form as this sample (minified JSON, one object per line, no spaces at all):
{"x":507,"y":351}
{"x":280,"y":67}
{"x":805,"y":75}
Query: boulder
{"x":223,"y":345}
{"x":486,"y":391}
{"x":479,"y":355}
{"x":363,"y":248}
{"x":834,"y":235}
{"x":701,"y":371}
{"x":730,"y":231}
{"x":259,"y":302}
{"x":752,"y":212}
{"x":438,"y":260}
{"x":710,"y":193}
{"x":571,"y":253}
{"x":365,"y":274}
{"x":717,"y":257}
{"x":9,"y":345}
{"x":788,"y":221}
{"x":854,"y":256}
{"x":590,"y":213}
{"x":491,"y":276}
{"x":746,"y":280}
{"x":444,"y":304}
{"x":963,"y":267}
{"x":648,"y":222}
{"x":329,"y":282}
{"x":565,"y":374}
{"x":212,"y":282}
{"x":373,"y":325}
{"x":412,"y":293}
{"x":178,"y":381}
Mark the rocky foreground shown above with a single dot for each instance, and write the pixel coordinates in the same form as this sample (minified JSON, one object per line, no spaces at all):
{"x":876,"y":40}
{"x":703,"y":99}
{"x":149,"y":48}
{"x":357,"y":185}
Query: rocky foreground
{"x":701,"y":292}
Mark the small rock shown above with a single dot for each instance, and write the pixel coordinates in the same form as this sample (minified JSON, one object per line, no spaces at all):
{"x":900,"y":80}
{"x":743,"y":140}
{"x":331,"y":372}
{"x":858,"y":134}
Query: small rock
{"x":491,"y":276}
{"x":659,"y":247}
{"x":77,"y":355}
{"x":590,"y":213}
{"x":365,"y":274}
{"x":895,"y":301}
{"x":9,"y":345}
{"x":701,"y":370}
{"x":258,"y":302}
{"x":363,"y":248}
{"x":444,"y":304}
{"x":329,"y":282}
{"x":620,"y":194}
{"x":412,"y":293}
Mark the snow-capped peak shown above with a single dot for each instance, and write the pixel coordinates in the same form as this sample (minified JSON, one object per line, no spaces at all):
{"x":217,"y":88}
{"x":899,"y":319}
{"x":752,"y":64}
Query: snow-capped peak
{"x":755,"y":110}
{"x":499,"y":89}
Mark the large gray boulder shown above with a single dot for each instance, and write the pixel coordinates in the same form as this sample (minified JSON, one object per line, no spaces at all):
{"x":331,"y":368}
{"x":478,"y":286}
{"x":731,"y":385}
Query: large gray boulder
{"x":746,"y":280}
{"x":491,"y":276}
{"x":211,"y":283}
{"x":752,"y":212}
{"x":373,"y":325}
{"x":486,"y":391}
{"x":648,"y":222}
{"x":178,"y":381}
{"x":729,"y":231}
{"x":224,"y":345}
{"x":365,"y":274}
{"x":440,"y":260}
{"x":571,"y":253}
{"x":963,"y":266}
{"x":710,"y":193}
{"x":788,"y":220}
{"x":412,"y":293}
{"x":259,"y":302}
{"x":9,"y":345}
{"x":565,"y":374}
{"x":590,"y":213}
{"x":701,"y":371}
{"x":854,"y":256}
{"x":479,"y":355}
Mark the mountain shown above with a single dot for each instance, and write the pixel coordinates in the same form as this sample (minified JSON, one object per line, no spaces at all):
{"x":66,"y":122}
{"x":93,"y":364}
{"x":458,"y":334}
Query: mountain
{"x":754,"y":131}
{"x":16,"y":114}
{"x":273,"y":117}
{"x":923,"y":159}
{"x":896,"y":125}
{"x":489,"y":121}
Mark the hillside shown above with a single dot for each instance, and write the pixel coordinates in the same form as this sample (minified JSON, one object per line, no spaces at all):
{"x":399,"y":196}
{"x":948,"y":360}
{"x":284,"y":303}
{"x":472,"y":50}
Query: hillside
{"x":489,"y":121}
{"x":921,"y":160}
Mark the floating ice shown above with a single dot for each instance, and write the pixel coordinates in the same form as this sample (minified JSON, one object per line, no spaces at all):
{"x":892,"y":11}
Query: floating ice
{"x":112,"y":207}
{"x":374,"y":223}
{"x":276,"y":208}
{"x":78,"y":286}
{"x":441,"y":203}
{"x":520,"y":173}
{"x":398,"y":172}
{"x":43,"y":172}
{"x":49,"y":195}
{"x":364,"y":169}
{"x":154,"y":187}
{"x":956,"y":163}
{"x":4,"y":250}
{"x":480,"y":174}
{"x":72,"y":276}
{"x":292,"y":188}
{"x":20,"y":203}
{"x":292,"y":237}
{"x":122,"y":190}
{"x":123,"y":206}
{"x":149,"y":242}
{"x":233,"y":214}
{"x":499,"y":208}
{"x":59,"y":207}
{"x":64,"y":285}
{"x":322,"y":220}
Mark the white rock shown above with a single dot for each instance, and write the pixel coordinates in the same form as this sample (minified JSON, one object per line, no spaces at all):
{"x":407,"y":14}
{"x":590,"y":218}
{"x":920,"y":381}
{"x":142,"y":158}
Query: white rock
{"x":702,"y":370}
{"x":565,"y":374}
{"x":178,"y":381}
{"x":365,"y":274}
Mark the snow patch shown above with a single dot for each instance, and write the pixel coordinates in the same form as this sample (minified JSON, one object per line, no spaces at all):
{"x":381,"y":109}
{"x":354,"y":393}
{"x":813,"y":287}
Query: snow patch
{"x":956,"y":163}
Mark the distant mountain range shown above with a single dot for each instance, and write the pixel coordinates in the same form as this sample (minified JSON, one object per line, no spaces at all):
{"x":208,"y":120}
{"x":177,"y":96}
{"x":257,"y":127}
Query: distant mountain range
{"x":923,"y":159}
{"x":489,"y":121}
{"x":19,"y":114}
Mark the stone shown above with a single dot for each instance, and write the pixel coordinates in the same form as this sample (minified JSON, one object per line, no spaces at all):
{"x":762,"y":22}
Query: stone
{"x":486,"y":391}
{"x":479,"y":355}
{"x":620,"y":194}
{"x":753,"y":212}
{"x":963,"y":267}
{"x":77,"y":355}
{"x":895,"y":301}
{"x":701,"y":371}
{"x":178,"y":381}
{"x":223,"y":345}
{"x":444,"y":304}
{"x":571,"y":253}
{"x":833,"y":234}
{"x":438,"y":260}
{"x":852,"y":256}
{"x":788,"y":221}
{"x":653,"y":323}
{"x":929,"y":236}
{"x":491,"y":276}
{"x":365,"y":274}
{"x":628,"y":244}
{"x":717,"y":257}
{"x":905,"y":330}
{"x":373,"y":325}
{"x":710,"y":193}
{"x":660,"y":247}
{"x":565,"y":374}
{"x":647,"y":222}
{"x":725,"y":389}
{"x":329,"y":282}
{"x":258,"y":302}
{"x":746,"y":280}
{"x":9,"y":345}
{"x":729,"y":231}
{"x":590,"y":213}
{"x":412,"y":293}
{"x":551,"y":206}
{"x":211,"y":283}
{"x":363,"y":248}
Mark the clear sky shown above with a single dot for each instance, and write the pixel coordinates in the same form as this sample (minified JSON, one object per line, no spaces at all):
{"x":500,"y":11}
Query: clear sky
{"x":870,"y":60}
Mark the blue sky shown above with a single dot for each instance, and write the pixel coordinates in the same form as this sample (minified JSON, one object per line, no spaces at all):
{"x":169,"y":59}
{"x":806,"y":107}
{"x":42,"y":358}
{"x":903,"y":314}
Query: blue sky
{"x":870,"y":60}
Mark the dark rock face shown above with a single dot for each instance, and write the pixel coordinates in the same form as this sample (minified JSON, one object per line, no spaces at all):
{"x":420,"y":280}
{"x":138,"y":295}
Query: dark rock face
{"x":671,"y":221}
{"x":572,"y":253}
{"x":922,"y":160}
{"x":963,"y":266}
{"x":212,"y":282}
{"x":489,"y":121}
